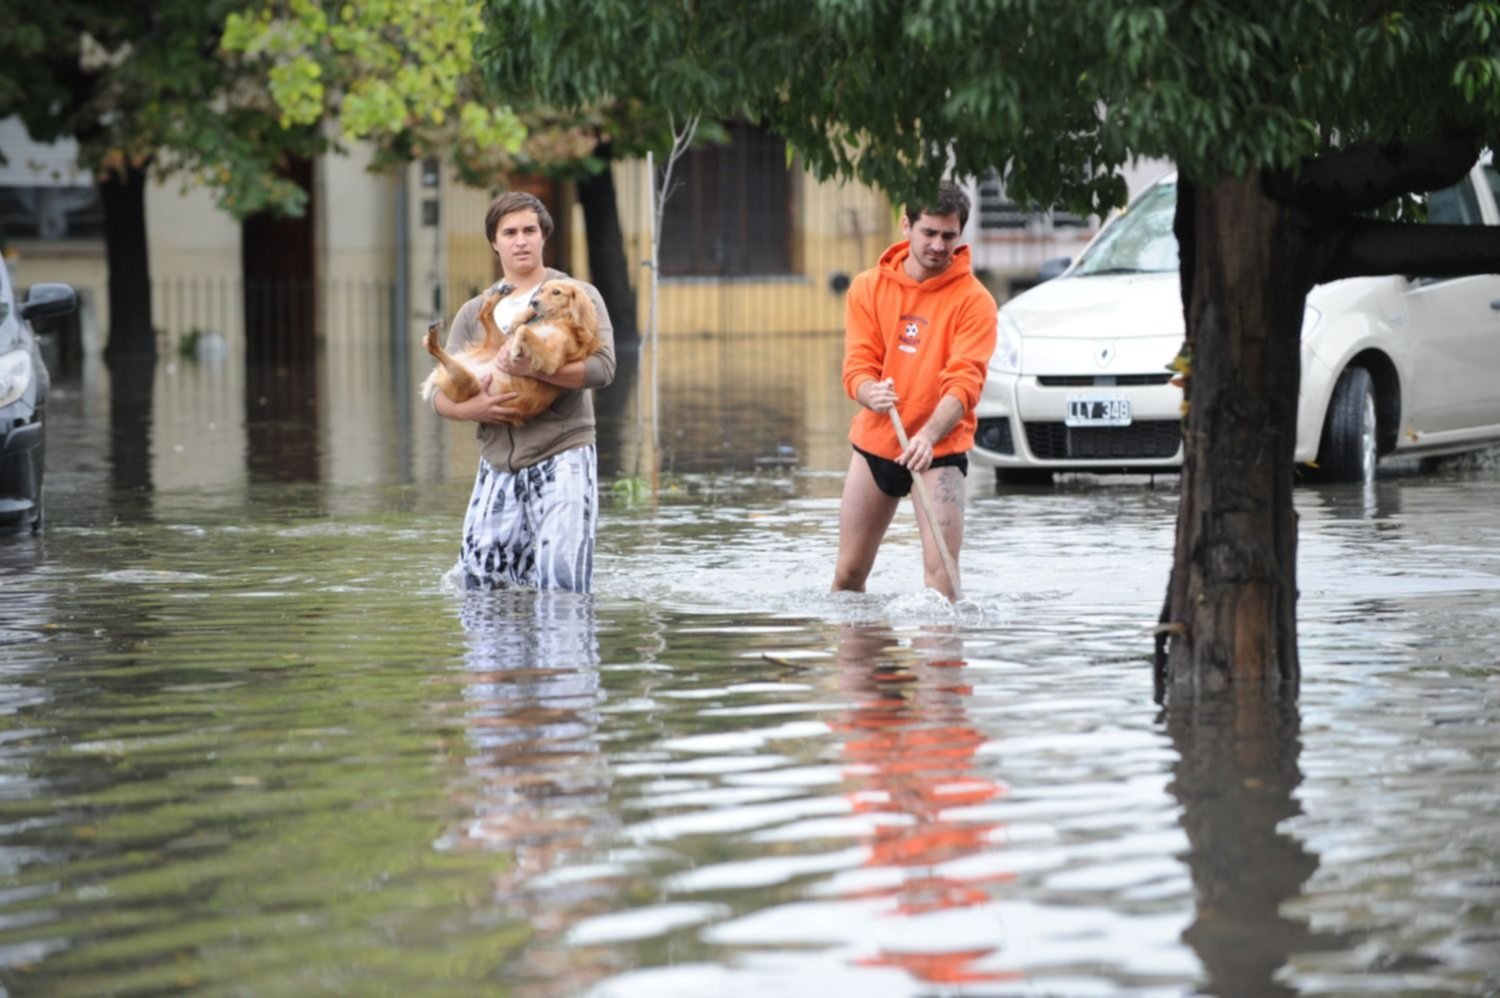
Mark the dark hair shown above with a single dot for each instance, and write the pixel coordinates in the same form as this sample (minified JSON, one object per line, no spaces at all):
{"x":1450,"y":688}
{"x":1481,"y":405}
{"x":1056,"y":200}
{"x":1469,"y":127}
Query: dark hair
{"x":511,"y":202}
{"x":951,"y":200}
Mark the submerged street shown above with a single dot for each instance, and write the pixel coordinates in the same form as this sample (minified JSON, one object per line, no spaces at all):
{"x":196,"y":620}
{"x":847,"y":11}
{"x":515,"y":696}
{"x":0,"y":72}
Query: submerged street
{"x":252,"y":744}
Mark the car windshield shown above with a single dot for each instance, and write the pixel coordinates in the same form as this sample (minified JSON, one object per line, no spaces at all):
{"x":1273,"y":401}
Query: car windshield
{"x":1137,"y":241}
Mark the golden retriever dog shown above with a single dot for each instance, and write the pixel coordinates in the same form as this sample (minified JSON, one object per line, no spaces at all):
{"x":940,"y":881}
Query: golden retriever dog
{"x":559,"y":326}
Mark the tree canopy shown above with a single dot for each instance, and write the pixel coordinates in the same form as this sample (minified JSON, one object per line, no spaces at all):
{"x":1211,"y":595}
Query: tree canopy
{"x":400,"y":75}
{"x":406,"y":77}
{"x":1057,"y":98}
{"x":144,"y":85}
{"x":219,"y":92}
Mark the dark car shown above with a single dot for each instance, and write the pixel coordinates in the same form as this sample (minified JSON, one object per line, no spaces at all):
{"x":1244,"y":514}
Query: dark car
{"x":23,"y":398}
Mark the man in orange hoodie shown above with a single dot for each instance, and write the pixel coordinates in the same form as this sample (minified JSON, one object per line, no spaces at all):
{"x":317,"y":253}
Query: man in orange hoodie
{"x":919,"y":329}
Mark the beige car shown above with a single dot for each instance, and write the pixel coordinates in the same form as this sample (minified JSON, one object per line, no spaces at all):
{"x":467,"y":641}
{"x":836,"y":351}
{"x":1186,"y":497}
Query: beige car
{"x":1391,"y":366}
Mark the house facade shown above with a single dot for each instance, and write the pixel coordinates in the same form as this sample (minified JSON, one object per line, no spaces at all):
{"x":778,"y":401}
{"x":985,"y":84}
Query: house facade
{"x":751,"y":245}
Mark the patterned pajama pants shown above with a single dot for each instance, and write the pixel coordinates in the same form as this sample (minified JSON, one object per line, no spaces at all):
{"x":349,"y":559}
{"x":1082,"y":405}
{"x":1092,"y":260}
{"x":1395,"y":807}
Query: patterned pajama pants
{"x":533,"y":528}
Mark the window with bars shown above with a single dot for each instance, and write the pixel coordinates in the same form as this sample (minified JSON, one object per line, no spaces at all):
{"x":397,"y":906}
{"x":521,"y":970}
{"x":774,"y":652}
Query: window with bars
{"x":729,"y":212}
{"x":60,"y":213}
{"x":997,"y":213}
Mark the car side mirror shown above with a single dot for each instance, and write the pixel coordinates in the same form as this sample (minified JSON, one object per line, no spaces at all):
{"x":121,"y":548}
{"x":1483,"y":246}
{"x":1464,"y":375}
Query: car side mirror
{"x":46,"y":301}
{"x":1051,"y":268}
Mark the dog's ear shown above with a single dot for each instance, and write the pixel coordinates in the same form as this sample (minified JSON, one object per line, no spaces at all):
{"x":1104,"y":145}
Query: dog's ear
{"x":582,"y":309}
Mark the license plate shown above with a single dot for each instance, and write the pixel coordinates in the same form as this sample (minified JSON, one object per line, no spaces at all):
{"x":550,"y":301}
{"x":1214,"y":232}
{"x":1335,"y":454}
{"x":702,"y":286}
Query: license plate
{"x":1097,"y":410}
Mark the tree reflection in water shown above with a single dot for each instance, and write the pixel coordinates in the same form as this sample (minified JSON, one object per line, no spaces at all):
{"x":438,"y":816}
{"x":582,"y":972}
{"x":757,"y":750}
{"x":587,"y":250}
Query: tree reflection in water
{"x":1236,"y":774}
{"x":912,"y":751}
{"x":281,"y":422}
{"x":132,"y":388}
{"x":538,"y":782}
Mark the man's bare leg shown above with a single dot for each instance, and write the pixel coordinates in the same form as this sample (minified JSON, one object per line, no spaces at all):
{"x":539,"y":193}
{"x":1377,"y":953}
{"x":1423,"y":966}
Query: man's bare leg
{"x":864,"y":515}
{"x":945,"y":486}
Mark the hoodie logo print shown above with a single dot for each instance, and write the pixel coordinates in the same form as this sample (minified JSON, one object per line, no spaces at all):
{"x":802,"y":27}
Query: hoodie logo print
{"x":911,"y":333}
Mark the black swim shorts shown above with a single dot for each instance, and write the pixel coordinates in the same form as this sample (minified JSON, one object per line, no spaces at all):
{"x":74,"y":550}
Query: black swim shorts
{"x":895,"y":481}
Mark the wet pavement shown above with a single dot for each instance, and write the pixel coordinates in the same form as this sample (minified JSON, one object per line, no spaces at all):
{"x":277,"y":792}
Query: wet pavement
{"x":251,"y":745}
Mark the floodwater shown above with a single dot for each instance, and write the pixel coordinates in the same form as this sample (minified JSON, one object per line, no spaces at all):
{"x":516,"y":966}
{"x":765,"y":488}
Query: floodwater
{"x":250,"y":745}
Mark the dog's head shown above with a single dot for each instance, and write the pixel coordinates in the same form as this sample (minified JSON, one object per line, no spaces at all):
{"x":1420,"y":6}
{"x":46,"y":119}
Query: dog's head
{"x":560,"y":299}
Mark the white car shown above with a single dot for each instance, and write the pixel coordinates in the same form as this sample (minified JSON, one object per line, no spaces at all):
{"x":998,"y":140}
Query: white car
{"x":1391,"y":365}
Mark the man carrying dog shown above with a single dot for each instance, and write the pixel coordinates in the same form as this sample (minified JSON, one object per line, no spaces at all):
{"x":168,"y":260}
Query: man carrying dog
{"x":919,"y":329}
{"x":533,"y":513}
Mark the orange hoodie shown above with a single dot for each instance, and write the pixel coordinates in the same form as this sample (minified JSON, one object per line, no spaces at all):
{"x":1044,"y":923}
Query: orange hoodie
{"x":932,"y":338}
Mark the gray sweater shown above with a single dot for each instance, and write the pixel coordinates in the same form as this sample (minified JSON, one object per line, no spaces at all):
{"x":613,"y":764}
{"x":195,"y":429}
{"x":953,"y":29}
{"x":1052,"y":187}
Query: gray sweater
{"x":570,"y":421}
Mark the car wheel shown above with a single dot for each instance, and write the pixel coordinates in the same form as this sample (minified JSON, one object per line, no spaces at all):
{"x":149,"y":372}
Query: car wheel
{"x":1348,"y":450}
{"x":1023,"y":476}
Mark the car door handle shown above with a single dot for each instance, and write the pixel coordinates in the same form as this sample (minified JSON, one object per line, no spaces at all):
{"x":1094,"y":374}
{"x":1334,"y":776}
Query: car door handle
{"x":1495,"y":304}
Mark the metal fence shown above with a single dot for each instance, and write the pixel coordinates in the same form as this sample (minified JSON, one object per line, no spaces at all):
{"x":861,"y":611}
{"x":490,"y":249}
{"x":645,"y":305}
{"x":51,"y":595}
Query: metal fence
{"x":284,"y":318}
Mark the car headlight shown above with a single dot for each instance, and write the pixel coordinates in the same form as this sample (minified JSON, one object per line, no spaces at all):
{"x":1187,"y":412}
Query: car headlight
{"x":15,"y":375}
{"x":1310,"y":317}
{"x":1007,"y":356}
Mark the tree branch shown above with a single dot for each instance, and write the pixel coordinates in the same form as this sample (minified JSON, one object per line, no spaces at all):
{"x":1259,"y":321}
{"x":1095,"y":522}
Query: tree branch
{"x":1368,"y":248}
{"x":1366,"y":175}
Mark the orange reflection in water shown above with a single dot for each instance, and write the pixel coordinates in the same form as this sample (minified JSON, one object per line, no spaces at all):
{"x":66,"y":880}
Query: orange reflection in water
{"x":911,"y":748}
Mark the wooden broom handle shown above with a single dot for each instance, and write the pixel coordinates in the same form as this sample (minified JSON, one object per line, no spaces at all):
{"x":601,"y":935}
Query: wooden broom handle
{"x":925,"y":501}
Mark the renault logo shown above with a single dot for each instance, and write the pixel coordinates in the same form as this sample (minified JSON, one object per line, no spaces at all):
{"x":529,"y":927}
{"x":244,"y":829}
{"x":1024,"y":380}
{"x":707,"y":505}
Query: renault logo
{"x":1104,"y":354}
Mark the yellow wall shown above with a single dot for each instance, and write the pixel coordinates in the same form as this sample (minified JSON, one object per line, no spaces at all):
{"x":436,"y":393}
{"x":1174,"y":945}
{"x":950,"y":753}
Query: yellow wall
{"x":840,"y":229}
{"x":470,"y":260}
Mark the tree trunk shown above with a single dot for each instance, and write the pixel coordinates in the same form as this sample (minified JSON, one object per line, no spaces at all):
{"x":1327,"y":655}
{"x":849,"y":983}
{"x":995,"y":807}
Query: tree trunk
{"x":609,"y":267}
{"x":128,"y":256}
{"x":278,"y":267}
{"x":1231,"y":602}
